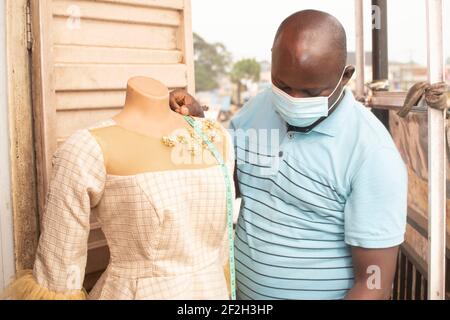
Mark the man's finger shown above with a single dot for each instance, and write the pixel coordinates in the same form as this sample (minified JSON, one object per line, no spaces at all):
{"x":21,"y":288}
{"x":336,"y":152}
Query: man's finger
{"x":174,"y":104}
{"x":177,"y":110}
{"x":184,"y":111}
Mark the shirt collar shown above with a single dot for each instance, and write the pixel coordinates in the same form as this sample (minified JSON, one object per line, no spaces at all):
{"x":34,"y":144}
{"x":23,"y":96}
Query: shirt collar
{"x":331,"y":125}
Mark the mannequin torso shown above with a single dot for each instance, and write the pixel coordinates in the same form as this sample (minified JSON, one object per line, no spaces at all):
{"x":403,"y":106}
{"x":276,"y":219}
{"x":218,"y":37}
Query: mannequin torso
{"x":133,"y":144}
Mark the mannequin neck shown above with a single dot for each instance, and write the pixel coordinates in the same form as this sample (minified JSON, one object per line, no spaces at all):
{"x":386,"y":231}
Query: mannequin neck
{"x":147,"y":108}
{"x":143,"y":104}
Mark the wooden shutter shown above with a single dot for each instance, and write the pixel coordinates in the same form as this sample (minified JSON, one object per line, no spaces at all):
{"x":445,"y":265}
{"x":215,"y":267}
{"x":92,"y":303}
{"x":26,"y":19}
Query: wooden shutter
{"x":84,"y":51}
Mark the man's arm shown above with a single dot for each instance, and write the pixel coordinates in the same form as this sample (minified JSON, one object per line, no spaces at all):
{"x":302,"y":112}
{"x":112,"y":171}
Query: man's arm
{"x":375,"y":222}
{"x":374,"y":271}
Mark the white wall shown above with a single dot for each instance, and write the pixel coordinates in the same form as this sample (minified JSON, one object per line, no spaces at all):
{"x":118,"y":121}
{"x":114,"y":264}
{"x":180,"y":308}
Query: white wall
{"x":6,"y":225}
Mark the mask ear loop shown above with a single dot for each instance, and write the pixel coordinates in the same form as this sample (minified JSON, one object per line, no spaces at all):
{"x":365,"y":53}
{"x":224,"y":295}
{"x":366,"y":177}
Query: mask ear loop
{"x":339,"y":82}
{"x":330,"y":108}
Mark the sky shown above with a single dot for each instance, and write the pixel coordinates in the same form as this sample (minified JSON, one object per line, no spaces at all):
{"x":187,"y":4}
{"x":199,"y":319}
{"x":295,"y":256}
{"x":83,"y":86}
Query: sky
{"x":247,"y":27}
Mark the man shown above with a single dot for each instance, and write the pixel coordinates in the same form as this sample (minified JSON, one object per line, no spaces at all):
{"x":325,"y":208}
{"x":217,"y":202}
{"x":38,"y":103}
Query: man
{"x":324,"y":208}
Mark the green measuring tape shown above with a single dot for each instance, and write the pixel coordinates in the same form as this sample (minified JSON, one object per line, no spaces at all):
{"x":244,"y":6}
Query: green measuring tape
{"x":229,"y":201}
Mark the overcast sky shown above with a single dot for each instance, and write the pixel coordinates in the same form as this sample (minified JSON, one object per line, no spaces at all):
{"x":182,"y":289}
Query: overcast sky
{"x":247,"y":27}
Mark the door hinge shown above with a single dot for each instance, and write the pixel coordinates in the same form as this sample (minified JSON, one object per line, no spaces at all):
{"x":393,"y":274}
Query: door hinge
{"x":28,"y":22}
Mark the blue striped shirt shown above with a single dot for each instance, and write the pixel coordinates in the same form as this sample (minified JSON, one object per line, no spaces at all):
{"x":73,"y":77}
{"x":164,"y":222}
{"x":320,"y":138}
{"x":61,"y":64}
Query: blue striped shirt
{"x":307,"y":198}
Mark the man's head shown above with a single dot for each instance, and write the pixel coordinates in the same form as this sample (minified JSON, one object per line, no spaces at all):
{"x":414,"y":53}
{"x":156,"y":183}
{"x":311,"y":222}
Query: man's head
{"x":309,"y":55}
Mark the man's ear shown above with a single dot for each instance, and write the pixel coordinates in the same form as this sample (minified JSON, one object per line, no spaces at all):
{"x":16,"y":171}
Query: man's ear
{"x":348,"y":74}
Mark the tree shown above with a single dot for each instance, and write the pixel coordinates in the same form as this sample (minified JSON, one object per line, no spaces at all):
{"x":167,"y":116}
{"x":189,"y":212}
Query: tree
{"x":211,"y":61}
{"x":243,"y":71}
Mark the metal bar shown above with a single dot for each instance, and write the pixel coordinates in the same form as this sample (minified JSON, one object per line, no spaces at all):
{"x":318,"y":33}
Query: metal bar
{"x":393,"y":101}
{"x":425,"y":288}
{"x":403,"y":260}
{"x":436,"y":158}
{"x":409,"y":280}
{"x":395,"y":286}
{"x":415,"y":258}
{"x":417,"y":282}
{"x":359,"y":49}
{"x":387,"y":100}
{"x":380,"y":67}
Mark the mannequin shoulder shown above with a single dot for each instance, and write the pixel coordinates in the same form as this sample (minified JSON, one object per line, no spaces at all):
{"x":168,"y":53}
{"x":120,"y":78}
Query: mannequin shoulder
{"x":83,"y":140}
{"x":79,"y":147}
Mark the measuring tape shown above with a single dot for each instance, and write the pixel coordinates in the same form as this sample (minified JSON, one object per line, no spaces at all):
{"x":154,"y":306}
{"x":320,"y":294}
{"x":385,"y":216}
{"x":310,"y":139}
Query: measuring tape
{"x":229,"y":201}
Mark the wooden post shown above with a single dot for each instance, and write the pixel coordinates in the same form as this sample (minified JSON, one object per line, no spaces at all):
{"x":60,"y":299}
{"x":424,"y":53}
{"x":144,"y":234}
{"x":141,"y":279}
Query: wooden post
{"x":359,"y":51}
{"x":6,"y":215}
{"x":43,"y":94}
{"x":437,"y":161}
{"x":380,"y":67}
{"x":23,"y":173}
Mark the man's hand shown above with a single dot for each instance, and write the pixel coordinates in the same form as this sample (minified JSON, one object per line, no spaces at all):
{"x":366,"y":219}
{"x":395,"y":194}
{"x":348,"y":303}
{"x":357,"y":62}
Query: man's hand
{"x":374,"y":271}
{"x":185,"y":104}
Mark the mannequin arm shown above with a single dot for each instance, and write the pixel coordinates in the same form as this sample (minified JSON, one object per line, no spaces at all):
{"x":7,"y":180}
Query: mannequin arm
{"x":76,"y":186}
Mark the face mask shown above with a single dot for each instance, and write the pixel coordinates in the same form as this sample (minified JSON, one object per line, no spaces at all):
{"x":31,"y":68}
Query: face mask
{"x":302,"y":112}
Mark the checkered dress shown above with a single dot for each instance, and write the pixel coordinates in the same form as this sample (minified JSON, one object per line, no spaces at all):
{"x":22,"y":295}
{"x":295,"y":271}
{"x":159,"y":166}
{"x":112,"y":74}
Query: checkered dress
{"x":166,"y":230}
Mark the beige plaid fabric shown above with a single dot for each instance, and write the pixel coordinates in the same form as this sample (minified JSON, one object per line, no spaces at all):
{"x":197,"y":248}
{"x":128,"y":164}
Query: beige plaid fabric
{"x":166,"y":230}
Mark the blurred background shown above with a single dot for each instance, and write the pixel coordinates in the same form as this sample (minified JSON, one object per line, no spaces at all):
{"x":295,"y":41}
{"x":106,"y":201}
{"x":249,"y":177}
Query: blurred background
{"x":233,"y":39}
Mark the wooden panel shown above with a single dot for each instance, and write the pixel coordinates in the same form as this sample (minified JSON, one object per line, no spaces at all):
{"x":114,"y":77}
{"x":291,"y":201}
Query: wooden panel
{"x":69,"y":121}
{"x":114,"y":34}
{"x":410,"y":277}
{"x":89,"y":10}
{"x":69,"y":77}
{"x":82,"y":54}
{"x":174,"y":4}
{"x":87,"y":51}
{"x":411,"y":137}
{"x":85,"y":100}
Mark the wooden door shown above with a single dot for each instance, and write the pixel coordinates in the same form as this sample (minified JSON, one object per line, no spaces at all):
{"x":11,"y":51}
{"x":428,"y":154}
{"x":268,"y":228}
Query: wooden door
{"x":83,"y":53}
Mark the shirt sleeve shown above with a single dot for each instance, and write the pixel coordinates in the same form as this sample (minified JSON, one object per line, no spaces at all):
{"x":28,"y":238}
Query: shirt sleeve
{"x":76,"y":186}
{"x":375,"y":212}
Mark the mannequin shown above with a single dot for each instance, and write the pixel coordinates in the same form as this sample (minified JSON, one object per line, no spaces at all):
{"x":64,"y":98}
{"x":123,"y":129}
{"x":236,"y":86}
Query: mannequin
{"x":146,"y":109}
{"x":144,"y":120}
{"x":164,"y":219}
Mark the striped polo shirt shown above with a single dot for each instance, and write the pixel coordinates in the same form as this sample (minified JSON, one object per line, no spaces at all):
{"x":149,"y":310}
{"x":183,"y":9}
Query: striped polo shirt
{"x":308,"y":197}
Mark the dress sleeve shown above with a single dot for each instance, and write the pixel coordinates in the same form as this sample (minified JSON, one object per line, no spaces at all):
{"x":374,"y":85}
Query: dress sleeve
{"x":77,"y":184}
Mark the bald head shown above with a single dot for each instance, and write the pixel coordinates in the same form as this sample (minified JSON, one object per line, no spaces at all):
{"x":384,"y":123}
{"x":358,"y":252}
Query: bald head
{"x":309,"y":52}
{"x":312,"y":34}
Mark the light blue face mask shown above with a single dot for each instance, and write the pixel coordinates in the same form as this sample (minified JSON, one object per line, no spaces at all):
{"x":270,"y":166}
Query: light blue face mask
{"x":302,"y":112}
